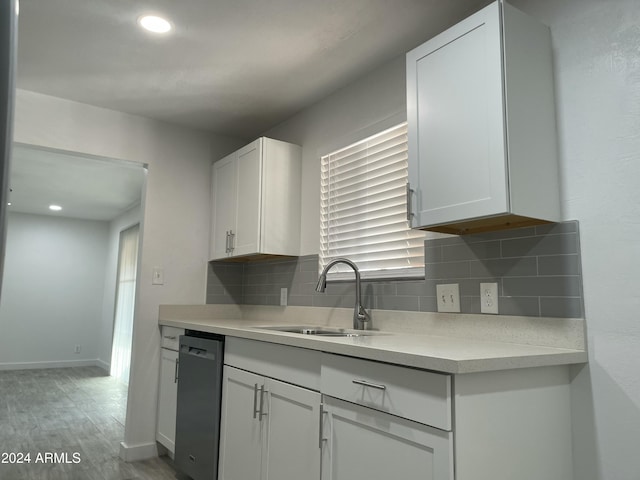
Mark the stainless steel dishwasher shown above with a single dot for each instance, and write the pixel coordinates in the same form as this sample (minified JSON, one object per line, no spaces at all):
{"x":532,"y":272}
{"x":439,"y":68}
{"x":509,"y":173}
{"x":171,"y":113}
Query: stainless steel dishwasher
{"x":199,"y":399}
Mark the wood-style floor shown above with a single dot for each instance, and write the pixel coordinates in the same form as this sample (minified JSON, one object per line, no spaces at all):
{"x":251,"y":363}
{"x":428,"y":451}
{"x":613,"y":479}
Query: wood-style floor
{"x":67,"y":411}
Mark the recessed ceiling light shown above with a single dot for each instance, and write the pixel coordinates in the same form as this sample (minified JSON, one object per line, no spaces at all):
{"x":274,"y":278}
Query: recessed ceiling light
{"x":55,"y":208}
{"x":8,"y":204}
{"x":154,"y":24}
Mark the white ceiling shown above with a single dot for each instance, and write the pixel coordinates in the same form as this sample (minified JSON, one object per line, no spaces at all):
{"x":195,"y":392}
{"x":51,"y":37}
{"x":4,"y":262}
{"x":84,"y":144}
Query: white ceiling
{"x":235,"y":67}
{"x":86,"y":188}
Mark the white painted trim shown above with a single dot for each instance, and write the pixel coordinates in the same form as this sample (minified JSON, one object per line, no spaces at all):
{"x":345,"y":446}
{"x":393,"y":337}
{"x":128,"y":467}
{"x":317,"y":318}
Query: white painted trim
{"x":164,"y":451}
{"x":165,"y":443}
{"x":103,"y":365}
{"x":142,"y":451}
{"x":53,"y":364}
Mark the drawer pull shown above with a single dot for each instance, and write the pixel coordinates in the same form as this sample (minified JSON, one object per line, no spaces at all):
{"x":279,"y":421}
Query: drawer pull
{"x":261,"y":413}
{"x":255,"y":400}
{"x":409,"y":193}
{"x":320,"y":439}
{"x":172,"y":337}
{"x":369,"y":384}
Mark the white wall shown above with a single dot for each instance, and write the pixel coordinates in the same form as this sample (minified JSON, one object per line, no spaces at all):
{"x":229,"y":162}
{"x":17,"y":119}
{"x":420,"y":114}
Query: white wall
{"x":175,"y":233}
{"x":597,"y":69}
{"x":352,"y":113}
{"x":52,"y":293}
{"x":117,"y":225}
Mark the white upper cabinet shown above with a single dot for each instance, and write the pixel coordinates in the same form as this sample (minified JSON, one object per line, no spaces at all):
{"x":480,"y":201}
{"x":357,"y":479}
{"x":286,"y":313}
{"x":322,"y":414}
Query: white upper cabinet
{"x":224,"y":186}
{"x":256,"y":202}
{"x":481,"y":118}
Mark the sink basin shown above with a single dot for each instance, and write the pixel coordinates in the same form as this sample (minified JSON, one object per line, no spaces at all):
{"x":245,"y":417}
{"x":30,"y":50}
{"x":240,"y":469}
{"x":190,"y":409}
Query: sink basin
{"x":319,"y":331}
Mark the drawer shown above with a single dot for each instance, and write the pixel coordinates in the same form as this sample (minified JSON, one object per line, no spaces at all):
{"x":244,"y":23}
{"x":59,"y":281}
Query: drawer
{"x":418,"y":395}
{"x":171,"y":337}
{"x":294,"y":365}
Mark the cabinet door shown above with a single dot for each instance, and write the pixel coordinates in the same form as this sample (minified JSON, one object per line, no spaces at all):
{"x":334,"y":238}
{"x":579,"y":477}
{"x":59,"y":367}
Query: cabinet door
{"x":292,"y":449}
{"x":457,"y":159}
{"x":248,"y":200}
{"x":167,"y":399}
{"x":241,"y":435}
{"x":362,"y":444}
{"x":224,"y":191}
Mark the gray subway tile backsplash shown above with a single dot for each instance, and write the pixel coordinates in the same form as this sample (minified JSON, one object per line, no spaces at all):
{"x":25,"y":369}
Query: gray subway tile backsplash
{"x":538,"y":271}
{"x":559,"y":286}
{"x":447,"y":269}
{"x":561,"y":307}
{"x":413,"y":288}
{"x":555,"y":228}
{"x":503,"y":267}
{"x":559,"y":265}
{"x":548,"y":244}
{"x":471,"y":251}
{"x":523,"y":306}
{"x":428,"y":304}
{"x":397,"y":302}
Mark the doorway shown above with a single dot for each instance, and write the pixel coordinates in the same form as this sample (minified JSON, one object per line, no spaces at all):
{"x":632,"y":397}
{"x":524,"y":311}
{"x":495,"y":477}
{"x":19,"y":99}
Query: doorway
{"x":61,"y":265}
{"x":125,"y":303}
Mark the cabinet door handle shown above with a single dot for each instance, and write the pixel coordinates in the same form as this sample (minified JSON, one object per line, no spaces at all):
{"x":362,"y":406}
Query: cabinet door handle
{"x":262,"y":414}
{"x":175,"y":372}
{"x":320,"y":434}
{"x":232,"y":240}
{"x":255,"y":400}
{"x":409,"y":197}
{"x":226,"y":245}
{"x":369,"y":384}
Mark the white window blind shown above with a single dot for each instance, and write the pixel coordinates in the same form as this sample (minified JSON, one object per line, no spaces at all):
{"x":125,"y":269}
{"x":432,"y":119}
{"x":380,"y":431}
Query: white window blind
{"x":364,"y":209}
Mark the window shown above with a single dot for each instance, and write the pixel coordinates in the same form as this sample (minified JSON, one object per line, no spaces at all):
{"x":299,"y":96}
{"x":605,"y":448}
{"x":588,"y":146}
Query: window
{"x":364,"y":211}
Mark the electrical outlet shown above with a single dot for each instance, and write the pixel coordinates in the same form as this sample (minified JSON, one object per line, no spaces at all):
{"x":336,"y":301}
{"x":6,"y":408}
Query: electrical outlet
{"x":448,"y":297}
{"x":283,"y":296}
{"x":489,"y":298}
{"x":77,"y":349}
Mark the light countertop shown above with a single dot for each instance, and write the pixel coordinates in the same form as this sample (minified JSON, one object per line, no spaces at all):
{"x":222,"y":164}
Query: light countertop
{"x":449,"y":354}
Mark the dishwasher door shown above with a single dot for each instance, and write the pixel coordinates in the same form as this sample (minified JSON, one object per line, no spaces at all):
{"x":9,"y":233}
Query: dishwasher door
{"x":198,"y":411}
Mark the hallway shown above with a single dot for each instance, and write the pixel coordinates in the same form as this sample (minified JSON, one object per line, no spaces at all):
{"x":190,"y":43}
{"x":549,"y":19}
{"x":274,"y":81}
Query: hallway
{"x":77,"y":413}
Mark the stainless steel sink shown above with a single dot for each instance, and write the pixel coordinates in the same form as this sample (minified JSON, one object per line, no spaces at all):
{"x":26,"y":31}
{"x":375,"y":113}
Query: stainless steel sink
{"x":319,"y":331}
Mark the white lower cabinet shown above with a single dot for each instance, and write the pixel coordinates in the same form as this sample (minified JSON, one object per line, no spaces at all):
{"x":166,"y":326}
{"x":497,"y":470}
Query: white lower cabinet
{"x":269,"y":430}
{"x":385,"y":421}
{"x":241,"y":433}
{"x":167,"y":399}
{"x":291,"y":413}
{"x":364,"y":444}
{"x":293,"y":449}
{"x":168,"y":388}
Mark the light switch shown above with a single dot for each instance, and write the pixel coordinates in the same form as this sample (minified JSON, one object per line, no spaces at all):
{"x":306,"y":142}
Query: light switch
{"x":158,"y":276}
{"x":448,"y":297}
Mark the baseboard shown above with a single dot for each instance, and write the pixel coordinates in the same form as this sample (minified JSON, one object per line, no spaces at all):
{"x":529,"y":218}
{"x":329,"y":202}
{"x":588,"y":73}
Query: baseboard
{"x":133,"y":453}
{"x":164,"y":451}
{"x":103,"y":365}
{"x":165,"y":443}
{"x":52,"y":364}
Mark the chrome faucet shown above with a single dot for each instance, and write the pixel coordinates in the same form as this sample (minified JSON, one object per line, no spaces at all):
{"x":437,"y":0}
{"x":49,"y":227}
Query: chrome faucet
{"x":360,"y":316}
